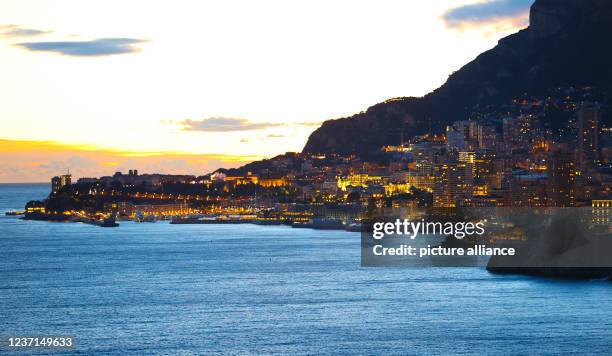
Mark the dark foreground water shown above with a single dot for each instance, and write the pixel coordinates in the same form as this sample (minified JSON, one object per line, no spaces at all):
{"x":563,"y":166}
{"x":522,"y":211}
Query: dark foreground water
{"x":205,"y":289}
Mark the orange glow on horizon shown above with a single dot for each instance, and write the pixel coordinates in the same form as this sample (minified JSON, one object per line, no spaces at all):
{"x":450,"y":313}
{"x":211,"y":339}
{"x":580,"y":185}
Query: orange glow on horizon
{"x":38,"y":161}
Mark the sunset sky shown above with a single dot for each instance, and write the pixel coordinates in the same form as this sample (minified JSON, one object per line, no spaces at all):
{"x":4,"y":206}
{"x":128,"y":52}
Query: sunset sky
{"x":190,"y":86}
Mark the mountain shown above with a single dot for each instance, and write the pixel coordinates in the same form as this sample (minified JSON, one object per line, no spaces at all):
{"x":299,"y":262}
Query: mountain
{"x":564,"y":45}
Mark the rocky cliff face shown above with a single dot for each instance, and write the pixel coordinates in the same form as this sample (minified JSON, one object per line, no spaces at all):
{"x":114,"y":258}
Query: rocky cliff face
{"x":547,"y":18}
{"x":566,"y":44}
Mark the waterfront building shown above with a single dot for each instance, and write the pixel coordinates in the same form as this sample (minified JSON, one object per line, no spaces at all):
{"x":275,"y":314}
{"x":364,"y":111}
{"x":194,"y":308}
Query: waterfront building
{"x":55,"y":184}
{"x":148,"y":180}
{"x":601,"y":211}
{"x":65,"y":180}
{"x":87,"y":180}
{"x":59,"y":182}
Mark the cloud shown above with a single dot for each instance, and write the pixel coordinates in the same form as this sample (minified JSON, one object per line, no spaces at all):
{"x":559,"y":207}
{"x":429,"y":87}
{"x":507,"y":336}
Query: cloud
{"x":10,"y":31}
{"x":310,"y":123}
{"x":93,"y":48}
{"x":489,"y":12}
{"x":225,"y":124}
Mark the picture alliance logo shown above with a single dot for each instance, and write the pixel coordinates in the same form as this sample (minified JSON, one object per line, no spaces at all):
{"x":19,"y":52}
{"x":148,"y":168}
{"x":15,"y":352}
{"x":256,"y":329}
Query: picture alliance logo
{"x":412,"y":229}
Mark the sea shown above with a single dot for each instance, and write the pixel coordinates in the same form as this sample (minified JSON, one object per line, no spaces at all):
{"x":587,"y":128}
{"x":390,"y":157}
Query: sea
{"x":156,"y":288}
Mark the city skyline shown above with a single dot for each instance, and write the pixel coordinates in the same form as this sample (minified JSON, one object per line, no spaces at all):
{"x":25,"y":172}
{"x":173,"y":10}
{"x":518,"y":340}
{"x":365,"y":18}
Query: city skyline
{"x":210,"y":89}
{"x":306,"y":177}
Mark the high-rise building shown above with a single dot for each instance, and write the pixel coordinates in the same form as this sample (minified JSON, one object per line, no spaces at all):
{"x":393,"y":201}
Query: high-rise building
{"x":470,"y":135}
{"x":455,"y":138}
{"x":487,"y":137}
{"x":517,"y":132}
{"x":58,"y":183}
{"x":484,"y":172}
{"x":561,"y":178}
{"x":453,"y":184}
{"x":463,"y":135}
{"x":55,"y":184}
{"x":588,"y":135}
{"x":65,"y":180}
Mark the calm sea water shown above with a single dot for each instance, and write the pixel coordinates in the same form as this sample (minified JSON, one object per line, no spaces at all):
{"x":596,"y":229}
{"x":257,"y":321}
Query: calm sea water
{"x":205,"y":289}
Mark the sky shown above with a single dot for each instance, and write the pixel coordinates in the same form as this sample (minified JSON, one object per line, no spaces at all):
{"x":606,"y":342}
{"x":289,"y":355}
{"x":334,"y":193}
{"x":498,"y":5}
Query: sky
{"x":187,"y":87}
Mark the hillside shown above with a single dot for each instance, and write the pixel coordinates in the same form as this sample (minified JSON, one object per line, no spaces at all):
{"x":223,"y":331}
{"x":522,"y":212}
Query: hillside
{"x":566,"y":44}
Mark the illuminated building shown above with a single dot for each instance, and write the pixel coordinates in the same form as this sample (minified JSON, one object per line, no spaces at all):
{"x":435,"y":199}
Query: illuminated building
{"x":601,"y":211}
{"x":470,"y":135}
{"x":481,"y":190}
{"x":240,"y":180}
{"x":455,"y":138}
{"x":55,"y":184}
{"x":392,"y":189}
{"x":357,"y":180}
{"x":58,"y":183}
{"x":421,"y":176}
{"x":529,"y":189}
{"x":453,"y":184}
{"x":487,"y":201}
{"x":462,"y":135}
{"x":218,"y":176}
{"x":467,"y":157}
{"x":329,"y":187}
{"x":272,"y":182}
{"x":400,"y":176}
{"x":130,"y":209}
{"x":426,"y":152}
{"x":422,"y":182}
{"x":487,"y":137}
{"x":485,"y":171}
{"x":65,"y":180}
{"x":148,"y":180}
{"x":588,"y":135}
{"x":517,"y":132}
{"x":561,"y":178}
{"x":399,"y":148}
{"x":425,"y":155}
